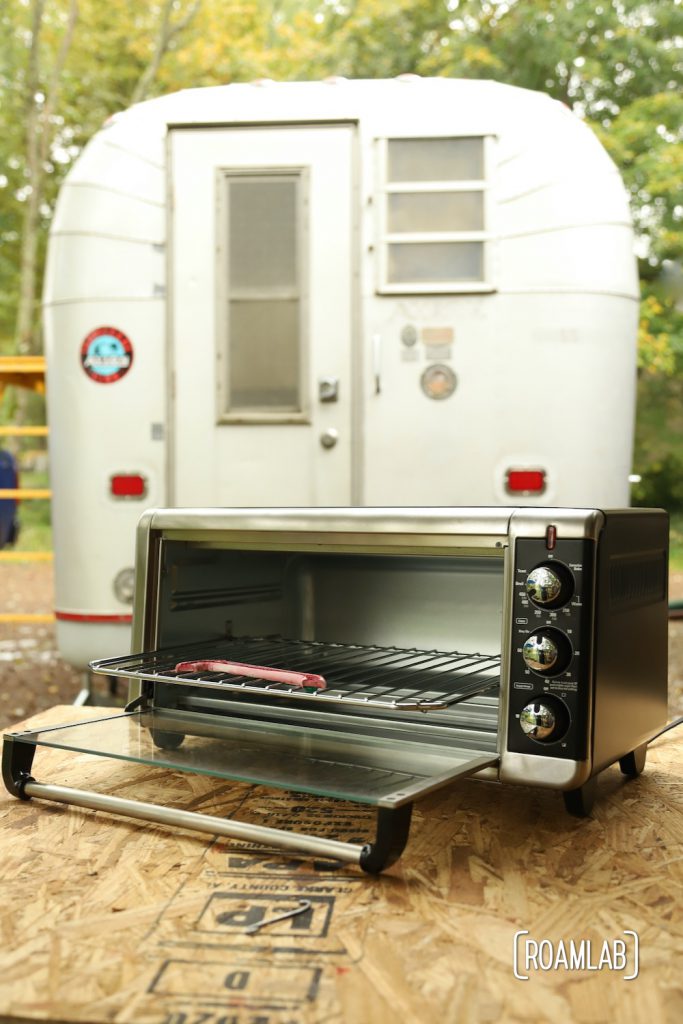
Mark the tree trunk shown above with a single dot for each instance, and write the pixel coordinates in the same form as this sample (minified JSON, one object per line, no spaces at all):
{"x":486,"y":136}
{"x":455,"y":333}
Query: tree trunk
{"x":24,"y":336}
{"x":39,"y":134}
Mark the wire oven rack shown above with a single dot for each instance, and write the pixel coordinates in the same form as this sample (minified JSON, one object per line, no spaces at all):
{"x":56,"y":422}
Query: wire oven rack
{"x":391,"y":678}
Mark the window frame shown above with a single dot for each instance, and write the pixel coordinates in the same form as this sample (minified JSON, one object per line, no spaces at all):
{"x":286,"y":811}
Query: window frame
{"x":224,"y":294}
{"x":385,"y":188}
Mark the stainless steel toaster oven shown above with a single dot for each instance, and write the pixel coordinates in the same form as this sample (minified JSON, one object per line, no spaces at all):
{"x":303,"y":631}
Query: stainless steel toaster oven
{"x":376,"y":655}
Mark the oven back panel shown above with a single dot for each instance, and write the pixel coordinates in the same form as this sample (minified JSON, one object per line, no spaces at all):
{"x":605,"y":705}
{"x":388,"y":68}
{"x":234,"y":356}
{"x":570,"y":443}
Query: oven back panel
{"x":440,"y":603}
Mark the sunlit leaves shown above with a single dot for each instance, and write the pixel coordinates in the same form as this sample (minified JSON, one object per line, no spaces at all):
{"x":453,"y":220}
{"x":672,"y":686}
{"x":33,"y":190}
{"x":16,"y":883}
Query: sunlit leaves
{"x":618,"y":63}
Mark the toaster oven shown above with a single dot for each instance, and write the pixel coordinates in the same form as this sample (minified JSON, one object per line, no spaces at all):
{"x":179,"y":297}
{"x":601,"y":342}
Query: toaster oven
{"x":377,"y":655}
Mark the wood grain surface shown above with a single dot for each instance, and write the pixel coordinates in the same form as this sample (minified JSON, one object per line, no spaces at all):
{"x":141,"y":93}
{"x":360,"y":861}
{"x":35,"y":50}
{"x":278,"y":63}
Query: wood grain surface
{"x":106,"y":919}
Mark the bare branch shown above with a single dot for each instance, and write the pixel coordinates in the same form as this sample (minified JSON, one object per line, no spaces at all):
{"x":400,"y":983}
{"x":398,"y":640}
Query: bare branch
{"x":183,"y":22}
{"x":166,"y":34}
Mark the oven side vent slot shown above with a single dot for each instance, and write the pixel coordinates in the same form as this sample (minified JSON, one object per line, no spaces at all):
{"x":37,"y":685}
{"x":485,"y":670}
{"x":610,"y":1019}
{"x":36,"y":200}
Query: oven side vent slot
{"x":194,"y":600}
{"x":637,"y":580}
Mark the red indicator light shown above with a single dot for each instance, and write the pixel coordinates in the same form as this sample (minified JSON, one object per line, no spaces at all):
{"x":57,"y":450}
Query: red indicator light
{"x":525,"y":481}
{"x":128,"y":486}
{"x":551,"y":538}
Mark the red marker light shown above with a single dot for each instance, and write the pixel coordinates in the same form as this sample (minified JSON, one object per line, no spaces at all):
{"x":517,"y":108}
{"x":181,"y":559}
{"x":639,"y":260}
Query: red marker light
{"x":525,"y":481}
{"x":131,"y":485}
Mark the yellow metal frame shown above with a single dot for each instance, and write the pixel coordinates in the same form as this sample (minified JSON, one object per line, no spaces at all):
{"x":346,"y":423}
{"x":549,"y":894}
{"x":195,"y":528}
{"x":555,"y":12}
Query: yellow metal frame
{"x":24,"y":493}
{"x":25,"y":556}
{"x":34,"y":431}
{"x":19,"y":617}
{"x":23,"y":372}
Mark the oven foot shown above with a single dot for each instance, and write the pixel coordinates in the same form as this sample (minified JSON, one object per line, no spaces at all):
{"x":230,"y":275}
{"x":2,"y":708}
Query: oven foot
{"x":166,"y":740}
{"x":393,"y":826}
{"x":17,"y":760}
{"x":633,"y":763}
{"x":579,"y":802}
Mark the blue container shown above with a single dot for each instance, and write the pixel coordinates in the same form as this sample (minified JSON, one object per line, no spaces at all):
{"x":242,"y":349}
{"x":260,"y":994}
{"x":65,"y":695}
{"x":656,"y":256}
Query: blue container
{"x":9,"y":478}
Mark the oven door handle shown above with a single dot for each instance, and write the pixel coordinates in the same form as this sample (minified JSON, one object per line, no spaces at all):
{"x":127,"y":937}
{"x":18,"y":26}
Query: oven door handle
{"x":393,"y":824}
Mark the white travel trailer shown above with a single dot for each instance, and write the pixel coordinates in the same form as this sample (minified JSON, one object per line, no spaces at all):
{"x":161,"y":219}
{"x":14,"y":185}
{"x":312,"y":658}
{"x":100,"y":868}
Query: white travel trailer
{"x":372,"y":293}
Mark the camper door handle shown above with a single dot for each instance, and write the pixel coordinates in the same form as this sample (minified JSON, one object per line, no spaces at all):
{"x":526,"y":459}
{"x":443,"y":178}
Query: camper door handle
{"x":329,"y":438}
{"x":377,"y":361}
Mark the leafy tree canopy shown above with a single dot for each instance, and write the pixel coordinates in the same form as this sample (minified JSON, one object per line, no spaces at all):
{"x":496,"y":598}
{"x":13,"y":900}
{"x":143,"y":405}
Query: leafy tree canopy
{"x":617,"y":63}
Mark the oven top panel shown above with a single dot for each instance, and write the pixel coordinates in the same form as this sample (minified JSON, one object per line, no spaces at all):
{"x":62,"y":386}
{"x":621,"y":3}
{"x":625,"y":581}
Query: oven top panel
{"x":378,"y":521}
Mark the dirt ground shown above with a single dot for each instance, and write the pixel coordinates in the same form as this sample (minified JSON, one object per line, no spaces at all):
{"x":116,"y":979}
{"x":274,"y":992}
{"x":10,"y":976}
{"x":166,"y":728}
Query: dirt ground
{"x":33,"y":676}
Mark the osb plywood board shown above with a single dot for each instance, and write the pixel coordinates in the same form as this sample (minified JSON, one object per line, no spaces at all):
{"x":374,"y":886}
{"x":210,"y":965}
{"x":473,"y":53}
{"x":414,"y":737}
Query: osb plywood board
{"x":104,"y":919}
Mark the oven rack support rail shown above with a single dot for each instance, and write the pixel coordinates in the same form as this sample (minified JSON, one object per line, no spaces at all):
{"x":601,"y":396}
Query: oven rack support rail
{"x":387,"y":678}
{"x":391,"y":836}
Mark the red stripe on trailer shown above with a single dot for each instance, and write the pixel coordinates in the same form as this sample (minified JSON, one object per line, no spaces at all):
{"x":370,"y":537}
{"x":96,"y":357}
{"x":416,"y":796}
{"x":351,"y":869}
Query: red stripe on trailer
{"x":82,"y":617}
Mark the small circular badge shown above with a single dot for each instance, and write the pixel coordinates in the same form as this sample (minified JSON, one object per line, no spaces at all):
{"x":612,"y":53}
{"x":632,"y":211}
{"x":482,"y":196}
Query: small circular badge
{"x":409,"y":335}
{"x":106,"y":355}
{"x":438,"y":381}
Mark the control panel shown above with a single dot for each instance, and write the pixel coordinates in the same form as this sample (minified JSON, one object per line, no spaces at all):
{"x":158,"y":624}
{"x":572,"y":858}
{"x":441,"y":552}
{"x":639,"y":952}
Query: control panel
{"x":550,"y":665}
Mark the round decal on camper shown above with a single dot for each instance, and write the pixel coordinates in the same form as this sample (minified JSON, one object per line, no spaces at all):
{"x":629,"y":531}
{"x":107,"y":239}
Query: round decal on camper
{"x":438,"y":381}
{"x":106,"y":355}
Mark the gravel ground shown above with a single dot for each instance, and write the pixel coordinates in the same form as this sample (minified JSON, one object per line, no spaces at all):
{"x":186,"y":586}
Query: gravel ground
{"x":33,"y":676}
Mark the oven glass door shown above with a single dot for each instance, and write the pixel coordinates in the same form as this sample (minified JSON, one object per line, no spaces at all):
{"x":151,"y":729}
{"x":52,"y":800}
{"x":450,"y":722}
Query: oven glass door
{"x":364,"y":761}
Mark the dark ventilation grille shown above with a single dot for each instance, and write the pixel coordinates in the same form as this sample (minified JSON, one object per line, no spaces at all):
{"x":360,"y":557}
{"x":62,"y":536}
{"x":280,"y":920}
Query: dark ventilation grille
{"x":635,"y":580}
{"x":191,"y":600}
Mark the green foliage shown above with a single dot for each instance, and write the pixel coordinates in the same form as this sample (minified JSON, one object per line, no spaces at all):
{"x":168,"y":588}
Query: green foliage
{"x":595,"y":55}
{"x":676,"y":543}
{"x":35,"y":527}
{"x":661,"y":485}
{"x":658,"y":455}
{"x":645,"y":142}
{"x":660,"y":334}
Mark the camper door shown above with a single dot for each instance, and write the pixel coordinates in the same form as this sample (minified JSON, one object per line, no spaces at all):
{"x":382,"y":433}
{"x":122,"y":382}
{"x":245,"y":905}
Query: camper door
{"x":261,"y":315}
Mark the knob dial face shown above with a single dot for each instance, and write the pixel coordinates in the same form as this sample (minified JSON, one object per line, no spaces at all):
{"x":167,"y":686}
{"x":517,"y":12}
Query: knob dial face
{"x":543,"y":585}
{"x":540,"y":652}
{"x":537,"y":721}
{"x":545,"y":720}
{"x":549,"y":586}
{"x":547,"y":651}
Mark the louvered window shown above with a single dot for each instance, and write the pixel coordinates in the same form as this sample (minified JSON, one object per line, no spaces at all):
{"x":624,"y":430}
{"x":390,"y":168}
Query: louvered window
{"x":433,"y":216}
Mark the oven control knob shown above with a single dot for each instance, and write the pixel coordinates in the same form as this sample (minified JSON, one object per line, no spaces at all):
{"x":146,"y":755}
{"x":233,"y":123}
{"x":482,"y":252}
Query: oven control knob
{"x":547,"y":651}
{"x":549,"y":586}
{"x":545,"y":720}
